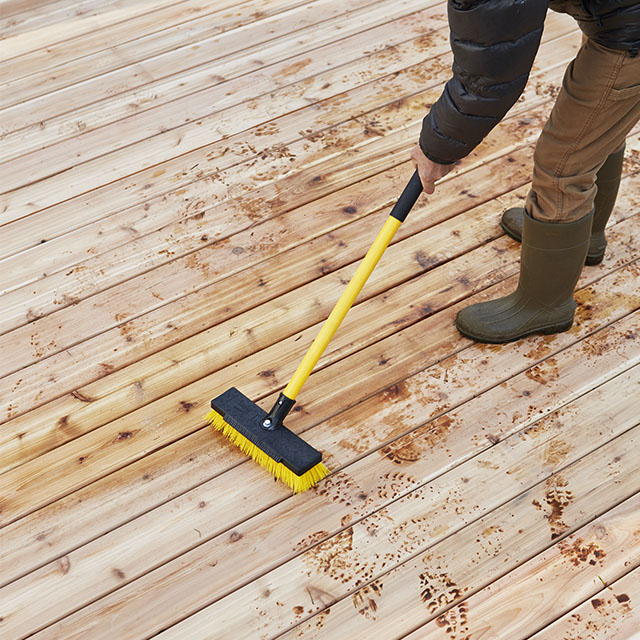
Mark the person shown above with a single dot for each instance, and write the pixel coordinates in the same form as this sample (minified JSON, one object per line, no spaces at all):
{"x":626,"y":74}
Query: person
{"x":577,"y":158}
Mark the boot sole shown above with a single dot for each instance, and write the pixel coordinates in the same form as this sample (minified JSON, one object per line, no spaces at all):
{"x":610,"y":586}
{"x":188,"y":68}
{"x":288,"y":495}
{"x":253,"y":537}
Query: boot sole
{"x":589,"y":260}
{"x":593,"y":260}
{"x":557,"y":328}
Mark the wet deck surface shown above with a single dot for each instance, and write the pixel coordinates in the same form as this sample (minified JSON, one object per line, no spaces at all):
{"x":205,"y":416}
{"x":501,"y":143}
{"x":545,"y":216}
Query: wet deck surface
{"x":187,"y":187}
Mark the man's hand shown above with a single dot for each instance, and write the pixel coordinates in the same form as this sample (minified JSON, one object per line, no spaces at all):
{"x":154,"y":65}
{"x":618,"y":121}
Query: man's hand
{"x":429,"y":171}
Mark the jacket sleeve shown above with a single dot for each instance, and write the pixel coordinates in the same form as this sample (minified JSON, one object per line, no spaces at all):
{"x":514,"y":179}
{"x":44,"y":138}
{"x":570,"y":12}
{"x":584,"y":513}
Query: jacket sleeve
{"x":494,"y":43}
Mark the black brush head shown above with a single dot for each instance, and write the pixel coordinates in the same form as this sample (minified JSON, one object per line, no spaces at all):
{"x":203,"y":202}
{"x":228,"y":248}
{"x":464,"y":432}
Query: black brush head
{"x":280,"y":444}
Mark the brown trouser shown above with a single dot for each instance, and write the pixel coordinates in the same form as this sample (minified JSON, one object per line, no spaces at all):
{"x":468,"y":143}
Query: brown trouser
{"x":598,"y":105}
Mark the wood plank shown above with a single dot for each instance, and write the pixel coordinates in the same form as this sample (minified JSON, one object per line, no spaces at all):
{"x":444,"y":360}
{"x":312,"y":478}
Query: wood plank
{"x":184,"y":124}
{"x":57,"y":289}
{"x":14,"y":8}
{"x":176,"y":142}
{"x":525,"y":599}
{"x":403,"y":530}
{"x":455,"y":378}
{"x":19,"y":16}
{"x":25,"y":438}
{"x":168,"y":280}
{"x":417,"y":520}
{"x":134,"y":40}
{"x":613,"y":613}
{"x":438,"y":585}
{"x":186,"y":67}
{"x":122,"y":20}
{"x":119,"y":195}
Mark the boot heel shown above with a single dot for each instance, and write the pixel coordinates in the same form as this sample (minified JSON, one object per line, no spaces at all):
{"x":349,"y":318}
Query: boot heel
{"x":590,"y":261}
{"x":557,"y":328}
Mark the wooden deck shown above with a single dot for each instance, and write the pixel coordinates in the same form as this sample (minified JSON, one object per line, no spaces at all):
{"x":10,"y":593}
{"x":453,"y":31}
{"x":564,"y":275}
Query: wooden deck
{"x":186,"y":187}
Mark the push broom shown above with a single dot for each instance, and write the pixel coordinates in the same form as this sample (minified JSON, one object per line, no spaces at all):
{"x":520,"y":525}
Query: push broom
{"x":262,"y":435}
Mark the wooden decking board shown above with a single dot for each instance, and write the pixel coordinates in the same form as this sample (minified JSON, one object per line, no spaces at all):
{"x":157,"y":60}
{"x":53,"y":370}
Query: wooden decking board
{"x":25,"y":267}
{"x":17,"y":10}
{"x":19,"y":16}
{"x":407,"y":528}
{"x":327,"y":112}
{"x":135,"y":45}
{"x":227,"y":342}
{"x":565,"y":576}
{"x":334,"y":431}
{"x":268,"y":528}
{"x":121,"y":513}
{"x":188,"y":118}
{"x":107,"y":98}
{"x":610,"y":614}
{"x":122,"y":22}
{"x":204,"y":271}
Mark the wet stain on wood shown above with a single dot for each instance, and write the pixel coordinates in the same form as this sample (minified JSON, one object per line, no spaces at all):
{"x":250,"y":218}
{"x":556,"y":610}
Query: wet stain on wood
{"x":332,"y":556}
{"x":311,"y":539}
{"x":557,"y":498}
{"x":578,"y":551}
{"x":405,"y":453}
{"x":365,"y":600}
{"x":424,"y":260}
{"x":438,"y":591}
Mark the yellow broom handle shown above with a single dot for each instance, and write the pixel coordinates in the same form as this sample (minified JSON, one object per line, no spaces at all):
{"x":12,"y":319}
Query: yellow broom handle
{"x":397,"y":216}
{"x":342,"y":307}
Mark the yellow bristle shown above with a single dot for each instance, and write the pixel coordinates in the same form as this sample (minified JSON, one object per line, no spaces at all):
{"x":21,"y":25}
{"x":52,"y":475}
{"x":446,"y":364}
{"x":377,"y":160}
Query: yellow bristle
{"x":298,"y":484}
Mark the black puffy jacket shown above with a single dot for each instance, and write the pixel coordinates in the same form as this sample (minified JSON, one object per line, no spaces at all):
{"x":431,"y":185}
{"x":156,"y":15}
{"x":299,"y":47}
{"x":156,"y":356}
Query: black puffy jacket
{"x":494,"y":43}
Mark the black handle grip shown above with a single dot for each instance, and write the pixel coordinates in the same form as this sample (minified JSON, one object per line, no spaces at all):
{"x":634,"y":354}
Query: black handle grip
{"x":407,"y":198}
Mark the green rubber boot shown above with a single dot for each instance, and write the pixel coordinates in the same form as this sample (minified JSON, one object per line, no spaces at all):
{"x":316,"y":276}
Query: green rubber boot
{"x":608,"y":182}
{"x":551,"y":261}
